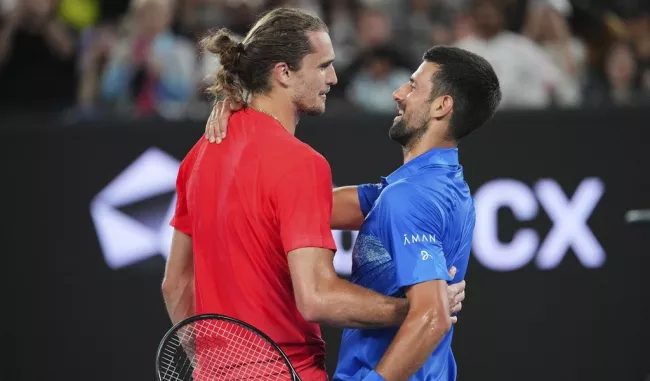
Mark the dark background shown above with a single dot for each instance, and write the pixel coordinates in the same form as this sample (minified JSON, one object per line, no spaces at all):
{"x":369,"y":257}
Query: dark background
{"x":68,"y":316}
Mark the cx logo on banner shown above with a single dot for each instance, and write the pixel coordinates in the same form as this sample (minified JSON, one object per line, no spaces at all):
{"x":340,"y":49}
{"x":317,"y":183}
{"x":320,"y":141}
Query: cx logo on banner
{"x":569,"y":216}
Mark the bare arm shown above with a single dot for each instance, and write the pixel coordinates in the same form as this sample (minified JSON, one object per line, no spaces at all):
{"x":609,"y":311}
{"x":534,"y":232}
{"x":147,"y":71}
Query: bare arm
{"x":425,"y":326}
{"x":346,"y":212}
{"x":323,"y":297}
{"x":178,"y":285}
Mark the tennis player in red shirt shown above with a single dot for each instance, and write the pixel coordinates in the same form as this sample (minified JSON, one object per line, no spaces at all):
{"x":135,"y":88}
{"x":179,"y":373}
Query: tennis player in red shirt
{"x":252,"y":235}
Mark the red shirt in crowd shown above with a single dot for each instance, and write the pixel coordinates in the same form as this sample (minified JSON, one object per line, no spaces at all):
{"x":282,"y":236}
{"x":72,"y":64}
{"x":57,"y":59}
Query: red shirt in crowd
{"x":246,"y":203}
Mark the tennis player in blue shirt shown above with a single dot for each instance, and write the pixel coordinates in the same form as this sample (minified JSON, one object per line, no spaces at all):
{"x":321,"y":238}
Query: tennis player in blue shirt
{"x":418,"y":221}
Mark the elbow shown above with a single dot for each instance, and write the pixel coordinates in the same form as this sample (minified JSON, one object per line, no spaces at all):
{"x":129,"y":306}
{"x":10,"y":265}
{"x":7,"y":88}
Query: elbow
{"x":310,"y":307}
{"x":172,"y":284}
{"x":167,"y":287}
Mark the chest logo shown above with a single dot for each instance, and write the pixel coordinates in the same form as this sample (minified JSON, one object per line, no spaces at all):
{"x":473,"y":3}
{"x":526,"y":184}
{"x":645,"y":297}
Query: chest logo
{"x":414,"y":238}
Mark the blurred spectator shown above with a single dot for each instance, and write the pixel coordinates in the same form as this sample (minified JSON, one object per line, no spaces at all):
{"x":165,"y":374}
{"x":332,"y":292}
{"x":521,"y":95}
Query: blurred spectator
{"x":195,"y":17}
{"x":95,"y":45}
{"x":147,"y":63}
{"x":314,"y":6}
{"x":373,"y":28}
{"x":528,"y":76}
{"x":617,"y":84}
{"x":36,"y":52}
{"x":637,"y":22}
{"x":149,"y":67}
{"x":241,"y":14}
{"x":340,"y":16}
{"x":547,"y":25}
{"x":429,"y":23}
{"x":373,"y":87}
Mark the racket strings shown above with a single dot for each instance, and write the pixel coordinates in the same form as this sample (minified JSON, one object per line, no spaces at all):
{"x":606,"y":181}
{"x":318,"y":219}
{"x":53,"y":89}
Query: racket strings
{"x":211,"y":350}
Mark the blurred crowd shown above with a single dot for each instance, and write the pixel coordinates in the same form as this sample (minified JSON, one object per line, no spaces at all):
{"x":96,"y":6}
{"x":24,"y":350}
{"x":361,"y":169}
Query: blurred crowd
{"x":139,"y":58}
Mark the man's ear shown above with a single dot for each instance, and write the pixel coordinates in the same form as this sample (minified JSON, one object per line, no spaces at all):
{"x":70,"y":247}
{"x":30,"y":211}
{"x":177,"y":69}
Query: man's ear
{"x":282,"y":74}
{"x":442,"y":106}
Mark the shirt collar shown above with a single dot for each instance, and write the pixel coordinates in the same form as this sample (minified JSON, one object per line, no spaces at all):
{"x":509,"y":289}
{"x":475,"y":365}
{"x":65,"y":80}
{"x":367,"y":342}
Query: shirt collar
{"x":433,"y":157}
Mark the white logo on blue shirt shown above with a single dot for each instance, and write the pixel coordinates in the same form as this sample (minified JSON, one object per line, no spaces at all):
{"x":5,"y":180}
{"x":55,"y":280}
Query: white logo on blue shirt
{"x":425,"y":255}
{"x":419,"y":238}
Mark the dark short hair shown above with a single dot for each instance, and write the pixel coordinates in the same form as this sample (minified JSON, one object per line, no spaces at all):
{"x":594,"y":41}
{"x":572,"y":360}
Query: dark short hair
{"x":472,"y":83}
{"x":278,"y":36}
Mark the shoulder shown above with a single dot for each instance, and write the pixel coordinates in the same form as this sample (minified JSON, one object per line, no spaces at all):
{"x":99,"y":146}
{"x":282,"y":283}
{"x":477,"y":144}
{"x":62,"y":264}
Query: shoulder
{"x":398,"y":191}
{"x":406,"y":196}
{"x":304,"y":158}
{"x":419,"y":199}
{"x":187,"y":164}
{"x":190,"y":157}
{"x":409,"y":191}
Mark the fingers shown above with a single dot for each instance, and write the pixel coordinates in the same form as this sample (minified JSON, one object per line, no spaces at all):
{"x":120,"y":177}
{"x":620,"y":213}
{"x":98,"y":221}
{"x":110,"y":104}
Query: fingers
{"x":224,"y":116}
{"x":456,"y":293}
{"x":212,"y":126}
{"x":457,"y":303}
{"x":454,"y":319}
{"x":452,"y":272}
{"x":456,"y":288}
{"x":217,"y":126}
{"x":459,"y":294}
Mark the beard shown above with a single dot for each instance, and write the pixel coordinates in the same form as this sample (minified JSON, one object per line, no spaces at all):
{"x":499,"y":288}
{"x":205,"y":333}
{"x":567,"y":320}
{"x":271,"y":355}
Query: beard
{"x":315,"y":108}
{"x":305,"y":101}
{"x":407,"y":135}
{"x":313,"y":111}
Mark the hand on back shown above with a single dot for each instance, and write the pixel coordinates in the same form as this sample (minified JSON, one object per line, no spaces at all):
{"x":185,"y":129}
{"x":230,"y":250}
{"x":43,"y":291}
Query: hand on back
{"x":217,"y":125}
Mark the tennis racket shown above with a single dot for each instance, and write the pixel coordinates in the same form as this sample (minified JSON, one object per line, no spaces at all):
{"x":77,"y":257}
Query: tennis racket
{"x":213,"y":347}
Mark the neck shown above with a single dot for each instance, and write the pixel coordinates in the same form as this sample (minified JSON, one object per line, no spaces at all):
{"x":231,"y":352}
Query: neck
{"x":427,"y":143}
{"x":278,"y":107}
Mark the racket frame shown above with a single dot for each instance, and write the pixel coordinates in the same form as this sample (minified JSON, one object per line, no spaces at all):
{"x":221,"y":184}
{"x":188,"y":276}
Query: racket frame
{"x":194,"y":318}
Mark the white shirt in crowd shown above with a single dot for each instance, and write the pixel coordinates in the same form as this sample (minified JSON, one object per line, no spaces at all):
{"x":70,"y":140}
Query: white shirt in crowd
{"x":528,"y":76}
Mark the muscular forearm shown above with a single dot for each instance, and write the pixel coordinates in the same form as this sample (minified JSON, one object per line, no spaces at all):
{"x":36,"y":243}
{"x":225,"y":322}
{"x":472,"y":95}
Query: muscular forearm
{"x":344,"y":304}
{"x":414,"y":343}
{"x":179,"y":298}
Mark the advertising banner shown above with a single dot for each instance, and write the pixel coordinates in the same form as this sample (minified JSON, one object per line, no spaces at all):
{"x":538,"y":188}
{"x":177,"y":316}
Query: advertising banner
{"x":557,"y":283}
